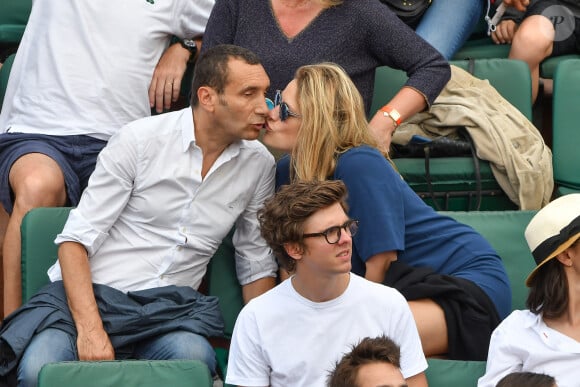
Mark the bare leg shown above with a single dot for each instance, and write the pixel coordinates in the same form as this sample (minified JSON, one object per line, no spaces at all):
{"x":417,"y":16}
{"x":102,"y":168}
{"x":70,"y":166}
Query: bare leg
{"x":36,"y":181}
{"x":532,"y":43}
{"x":432,"y":327}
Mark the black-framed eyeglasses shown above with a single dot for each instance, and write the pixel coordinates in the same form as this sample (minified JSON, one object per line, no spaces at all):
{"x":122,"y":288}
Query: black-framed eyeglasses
{"x":285,"y":111}
{"x":333,"y":234}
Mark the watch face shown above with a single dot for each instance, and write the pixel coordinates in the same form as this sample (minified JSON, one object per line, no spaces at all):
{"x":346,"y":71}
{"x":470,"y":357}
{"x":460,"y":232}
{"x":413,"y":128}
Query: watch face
{"x":189,"y":43}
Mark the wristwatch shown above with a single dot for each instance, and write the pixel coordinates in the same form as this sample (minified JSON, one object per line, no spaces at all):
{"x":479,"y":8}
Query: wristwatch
{"x":393,"y":114}
{"x":189,"y":44}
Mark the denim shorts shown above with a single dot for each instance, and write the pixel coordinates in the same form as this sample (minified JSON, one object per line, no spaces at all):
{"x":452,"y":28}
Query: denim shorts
{"x":565,"y":21}
{"x":76,"y":156}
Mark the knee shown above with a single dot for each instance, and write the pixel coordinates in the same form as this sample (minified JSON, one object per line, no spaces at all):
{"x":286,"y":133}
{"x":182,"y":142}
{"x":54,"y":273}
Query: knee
{"x":193,"y":347}
{"x":38,"y":191}
{"x":535,"y":33}
{"x":49,"y":346}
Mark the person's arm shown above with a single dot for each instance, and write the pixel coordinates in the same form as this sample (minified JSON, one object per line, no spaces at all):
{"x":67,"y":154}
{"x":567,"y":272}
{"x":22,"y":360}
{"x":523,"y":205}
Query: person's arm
{"x":92,"y":341}
{"x":256,"y":266}
{"x":419,"y":380}
{"x":378,"y":265}
{"x":87,"y":226}
{"x":255,"y":288}
{"x":166,"y":81}
{"x":406,"y":102}
{"x":396,"y":45}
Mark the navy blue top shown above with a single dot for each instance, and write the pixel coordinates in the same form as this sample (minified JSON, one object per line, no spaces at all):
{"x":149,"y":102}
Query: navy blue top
{"x":359,"y":35}
{"x":393,"y":217}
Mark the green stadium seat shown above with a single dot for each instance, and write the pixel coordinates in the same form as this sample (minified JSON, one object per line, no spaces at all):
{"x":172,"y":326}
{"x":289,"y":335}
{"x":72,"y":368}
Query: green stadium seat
{"x":4,"y":74}
{"x":126,"y":373}
{"x":454,"y":373}
{"x":13,"y":18}
{"x":566,"y":126}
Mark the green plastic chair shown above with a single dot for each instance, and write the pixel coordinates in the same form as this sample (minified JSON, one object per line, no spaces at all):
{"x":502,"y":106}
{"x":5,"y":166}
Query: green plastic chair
{"x":40,"y":227}
{"x":454,"y":373}
{"x":4,"y":74}
{"x":13,"y":18}
{"x":126,"y":373}
{"x":566,"y":127}
{"x":504,"y":230}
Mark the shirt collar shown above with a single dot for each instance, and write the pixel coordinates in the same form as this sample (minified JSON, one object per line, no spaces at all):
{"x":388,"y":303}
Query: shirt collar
{"x":187,"y":132}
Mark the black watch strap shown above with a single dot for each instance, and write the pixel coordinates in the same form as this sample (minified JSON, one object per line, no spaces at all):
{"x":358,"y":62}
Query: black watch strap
{"x":189,"y":44}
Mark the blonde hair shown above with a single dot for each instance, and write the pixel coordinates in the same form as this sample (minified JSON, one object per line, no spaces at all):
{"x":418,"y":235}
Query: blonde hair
{"x":333,"y":120}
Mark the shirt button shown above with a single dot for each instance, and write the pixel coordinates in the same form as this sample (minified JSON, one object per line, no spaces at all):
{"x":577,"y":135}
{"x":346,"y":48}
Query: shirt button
{"x":162,"y":277}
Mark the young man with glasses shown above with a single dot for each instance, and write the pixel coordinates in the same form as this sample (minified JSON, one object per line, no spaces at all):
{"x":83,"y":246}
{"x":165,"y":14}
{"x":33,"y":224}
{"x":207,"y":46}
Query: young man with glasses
{"x":294,"y":334}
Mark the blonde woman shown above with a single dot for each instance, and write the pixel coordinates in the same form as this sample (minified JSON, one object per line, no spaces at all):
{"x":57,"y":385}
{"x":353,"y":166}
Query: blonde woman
{"x":454,"y":281}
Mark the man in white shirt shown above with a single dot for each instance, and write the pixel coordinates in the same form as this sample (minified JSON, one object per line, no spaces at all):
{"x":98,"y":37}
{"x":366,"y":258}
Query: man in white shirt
{"x":82,"y":71}
{"x":294,"y":334}
{"x":166,"y":190}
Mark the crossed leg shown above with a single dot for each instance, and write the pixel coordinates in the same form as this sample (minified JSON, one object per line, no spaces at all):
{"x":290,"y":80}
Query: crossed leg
{"x":36,"y":181}
{"x":532,"y":43}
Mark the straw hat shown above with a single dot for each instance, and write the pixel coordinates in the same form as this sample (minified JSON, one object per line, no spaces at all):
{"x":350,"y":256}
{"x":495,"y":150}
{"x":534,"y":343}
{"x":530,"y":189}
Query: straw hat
{"x":553,"y":229}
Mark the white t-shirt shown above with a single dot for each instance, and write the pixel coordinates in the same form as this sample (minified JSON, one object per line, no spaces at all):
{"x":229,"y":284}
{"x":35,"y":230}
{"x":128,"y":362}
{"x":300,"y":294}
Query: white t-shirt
{"x":282,"y":339}
{"x":84,"y":67}
{"x":523,"y":342}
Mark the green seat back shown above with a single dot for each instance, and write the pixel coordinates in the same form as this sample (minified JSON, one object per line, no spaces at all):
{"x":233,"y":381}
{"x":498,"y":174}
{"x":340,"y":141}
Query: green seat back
{"x":454,"y":373}
{"x":127,"y":373}
{"x":505,"y":232}
{"x":39,"y":229}
{"x":548,"y":67}
{"x":566,"y":127}
{"x":511,"y":78}
{"x":4,"y":74}
{"x":13,"y":18}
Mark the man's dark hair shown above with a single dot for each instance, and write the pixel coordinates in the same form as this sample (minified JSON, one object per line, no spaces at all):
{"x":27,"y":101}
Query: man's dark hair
{"x":211,"y":68}
{"x":528,"y":379}
{"x":370,"y":350}
{"x":283,"y":215}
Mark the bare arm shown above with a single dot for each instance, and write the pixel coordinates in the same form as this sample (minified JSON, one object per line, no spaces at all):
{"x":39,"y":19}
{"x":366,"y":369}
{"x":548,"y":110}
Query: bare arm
{"x":419,"y":380}
{"x":407,"y":102}
{"x":92,"y":342}
{"x":254,"y":289}
{"x":378,"y":265}
{"x":166,"y":82}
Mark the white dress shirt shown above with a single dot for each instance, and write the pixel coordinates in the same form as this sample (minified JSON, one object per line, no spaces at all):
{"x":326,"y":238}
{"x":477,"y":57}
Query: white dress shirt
{"x":147,"y":219}
{"x":523,"y":342}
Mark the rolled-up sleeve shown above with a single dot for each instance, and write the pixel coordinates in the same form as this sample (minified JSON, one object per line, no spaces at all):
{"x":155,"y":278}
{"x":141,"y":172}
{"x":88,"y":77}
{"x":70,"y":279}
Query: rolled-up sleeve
{"x":107,"y":194}
{"x":254,"y":258}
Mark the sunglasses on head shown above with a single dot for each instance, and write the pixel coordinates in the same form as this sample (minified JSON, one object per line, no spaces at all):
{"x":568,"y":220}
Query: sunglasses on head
{"x":285,"y":111}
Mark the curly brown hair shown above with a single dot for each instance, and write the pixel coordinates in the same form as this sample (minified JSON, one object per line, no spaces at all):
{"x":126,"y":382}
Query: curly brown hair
{"x":283,"y":215}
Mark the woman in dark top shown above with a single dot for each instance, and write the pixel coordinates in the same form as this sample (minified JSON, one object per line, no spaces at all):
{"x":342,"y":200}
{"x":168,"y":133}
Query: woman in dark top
{"x":359,"y":35}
